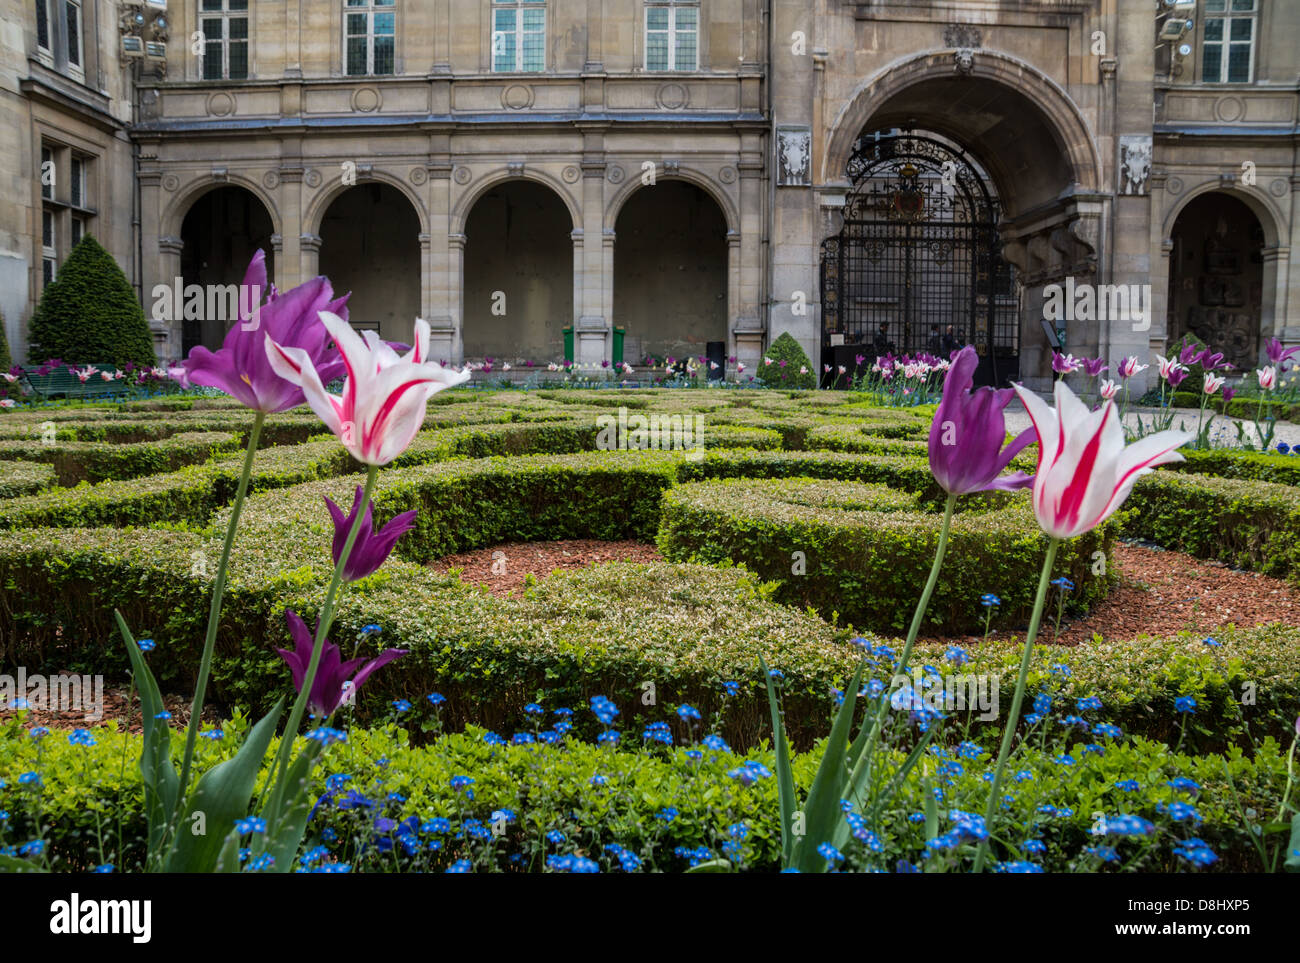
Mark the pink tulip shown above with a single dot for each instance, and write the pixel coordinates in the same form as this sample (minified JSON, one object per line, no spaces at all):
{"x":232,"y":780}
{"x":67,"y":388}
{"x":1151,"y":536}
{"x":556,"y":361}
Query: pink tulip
{"x":1085,"y":471}
{"x":384,"y":397}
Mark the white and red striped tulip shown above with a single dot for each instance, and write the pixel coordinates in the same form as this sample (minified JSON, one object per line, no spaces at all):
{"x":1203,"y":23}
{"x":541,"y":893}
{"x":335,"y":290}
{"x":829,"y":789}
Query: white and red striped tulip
{"x":384,"y":396}
{"x":1213,"y":383}
{"x":1108,"y":389}
{"x":1085,"y":471}
{"x":1267,"y":377}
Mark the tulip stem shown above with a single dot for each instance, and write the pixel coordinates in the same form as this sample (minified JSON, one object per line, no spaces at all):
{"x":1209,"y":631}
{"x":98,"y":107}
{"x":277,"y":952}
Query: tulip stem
{"x":324,"y":621}
{"x":915,"y":630}
{"x":999,"y":771}
{"x":214,"y":613}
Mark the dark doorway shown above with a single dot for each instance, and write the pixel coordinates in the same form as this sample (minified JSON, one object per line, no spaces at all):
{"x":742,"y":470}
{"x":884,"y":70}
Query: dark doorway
{"x":221,"y":232}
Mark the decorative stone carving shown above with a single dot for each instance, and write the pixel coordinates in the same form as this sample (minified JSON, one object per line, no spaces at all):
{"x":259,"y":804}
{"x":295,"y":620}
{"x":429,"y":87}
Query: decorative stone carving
{"x":615,"y":174}
{"x":673,"y":96}
{"x":727,"y":175}
{"x":418,"y":175}
{"x":1174,"y":185}
{"x":1229,"y":109}
{"x":962,"y":35}
{"x":312,"y":178}
{"x":220,"y":103}
{"x":517,"y":97}
{"x":1134,"y":163}
{"x":462,"y":176}
{"x":793,"y":156}
{"x":170,"y":182}
{"x":366,"y":99}
{"x":1278,"y":187}
{"x":271,"y":180}
{"x":963,"y":61}
{"x":571,"y":174}
{"x":515,"y":168}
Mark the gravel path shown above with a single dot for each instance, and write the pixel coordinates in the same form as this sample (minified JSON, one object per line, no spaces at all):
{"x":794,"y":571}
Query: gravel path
{"x":1223,"y":434}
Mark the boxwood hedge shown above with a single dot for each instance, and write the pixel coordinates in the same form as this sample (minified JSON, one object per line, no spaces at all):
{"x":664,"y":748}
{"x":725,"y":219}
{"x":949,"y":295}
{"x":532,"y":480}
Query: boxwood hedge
{"x":859,"y":552}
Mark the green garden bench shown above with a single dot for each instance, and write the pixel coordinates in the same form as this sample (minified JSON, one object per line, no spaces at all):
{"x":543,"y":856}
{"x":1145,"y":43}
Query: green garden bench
{"x":62,"y":383}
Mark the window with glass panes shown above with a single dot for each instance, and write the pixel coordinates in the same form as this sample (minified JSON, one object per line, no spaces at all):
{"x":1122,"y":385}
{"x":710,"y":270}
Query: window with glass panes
{"x":49,"y":247}
{"x":43,"y":24}
{"x":72,"y":21}
{"x":518,"y":35}
{"x":77,"y":182}
{"x":48,"y":173}
{"x":672,"y":36}
{"x":1228,"y":41}
{"x":369,"y":37}
{"x":225,"y":39}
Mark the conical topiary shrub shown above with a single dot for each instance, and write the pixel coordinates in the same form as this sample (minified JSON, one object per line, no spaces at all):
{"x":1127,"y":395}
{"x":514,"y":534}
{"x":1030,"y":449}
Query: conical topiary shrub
{"x":90,"y":314}
{"x":790,"y":367}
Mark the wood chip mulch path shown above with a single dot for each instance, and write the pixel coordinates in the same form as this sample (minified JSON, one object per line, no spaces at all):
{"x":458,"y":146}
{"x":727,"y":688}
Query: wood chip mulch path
{"x":502,"y":569}
{"x":1162,"y":593}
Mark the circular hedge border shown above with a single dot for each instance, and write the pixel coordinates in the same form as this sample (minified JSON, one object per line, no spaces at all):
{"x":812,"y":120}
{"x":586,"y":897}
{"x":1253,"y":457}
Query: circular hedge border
{"x":861,"y":552}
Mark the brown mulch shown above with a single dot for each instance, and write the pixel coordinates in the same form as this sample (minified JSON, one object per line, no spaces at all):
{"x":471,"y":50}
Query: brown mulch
{"x":1159,"y":593}
{"x":1163,"y":593}
{"x":115,"y":707}
{"x":503,"y":568}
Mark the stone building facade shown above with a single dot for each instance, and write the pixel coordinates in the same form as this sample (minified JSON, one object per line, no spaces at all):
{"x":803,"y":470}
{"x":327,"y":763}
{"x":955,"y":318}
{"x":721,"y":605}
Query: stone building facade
{"x":679,"y":172}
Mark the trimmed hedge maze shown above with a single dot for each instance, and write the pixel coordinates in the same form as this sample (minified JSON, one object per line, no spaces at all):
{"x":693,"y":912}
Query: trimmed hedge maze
{"x":779,"y":472}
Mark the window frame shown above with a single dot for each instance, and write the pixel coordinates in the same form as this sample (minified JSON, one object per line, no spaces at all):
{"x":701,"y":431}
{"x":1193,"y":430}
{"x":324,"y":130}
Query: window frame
{"x":43,"y":7}
{"x":1227,"y":16}
{"x":74,"y":40}
{"x":518,"y":8}
{"x":673,"y":7}
{"x":50,"y":250}
{"x":225,"y":15}
{"x":369,"y":9}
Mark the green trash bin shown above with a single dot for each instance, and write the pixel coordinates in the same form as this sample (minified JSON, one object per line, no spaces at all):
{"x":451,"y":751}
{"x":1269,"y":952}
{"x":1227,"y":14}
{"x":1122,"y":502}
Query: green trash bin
{"x":618,"y":346}
{"x":568,"y":344}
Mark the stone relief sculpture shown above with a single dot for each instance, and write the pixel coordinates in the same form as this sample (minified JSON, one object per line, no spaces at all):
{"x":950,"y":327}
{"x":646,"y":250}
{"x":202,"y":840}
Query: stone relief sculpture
{"x":794,"y":156}
{"x":1134,"y":163}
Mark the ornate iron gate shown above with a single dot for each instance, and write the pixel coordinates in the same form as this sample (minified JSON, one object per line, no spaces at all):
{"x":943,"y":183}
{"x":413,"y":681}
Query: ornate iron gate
{"x":919,"y":247}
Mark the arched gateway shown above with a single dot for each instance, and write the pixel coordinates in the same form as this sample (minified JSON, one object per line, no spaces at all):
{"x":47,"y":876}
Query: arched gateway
{"x":919,"y":249}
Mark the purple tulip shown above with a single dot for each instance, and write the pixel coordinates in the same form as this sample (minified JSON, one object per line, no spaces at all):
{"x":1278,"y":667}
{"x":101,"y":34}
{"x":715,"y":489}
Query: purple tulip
{"x":966,"y":453}
{"x":1189,"y":354}
{"x":1094,"y":366}
{"x":327,"y":689}
{"x":1064,"y":363}
{"x":240,"y":367}
{"x":1277,"y":354}
{"x":1210,"y":360}
{"x":1228,"y":394}
{"x":1176,"y":375}
{"x":371,"y":548}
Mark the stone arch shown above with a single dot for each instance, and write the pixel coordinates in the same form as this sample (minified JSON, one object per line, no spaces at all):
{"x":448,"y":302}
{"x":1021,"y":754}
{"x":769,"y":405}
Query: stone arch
{"x":331,"y":191}
{"x":630,"y":186}
{"x":1225,"y":278}
{"x":370,"y":246}
{"x":1055,"y":110}
{"x":461,"y":208}
{"x":671,"y":281}
{"x":174,"y":214}
{"x":1260,"y":203}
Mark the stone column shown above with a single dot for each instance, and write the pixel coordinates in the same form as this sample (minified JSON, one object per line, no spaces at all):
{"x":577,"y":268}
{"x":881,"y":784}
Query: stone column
{"x":166,"y":331}
{"x":443,"y":282}
{"x":290,"y":269}
{"x":456,"y":296}
{"x":309,"y":255}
